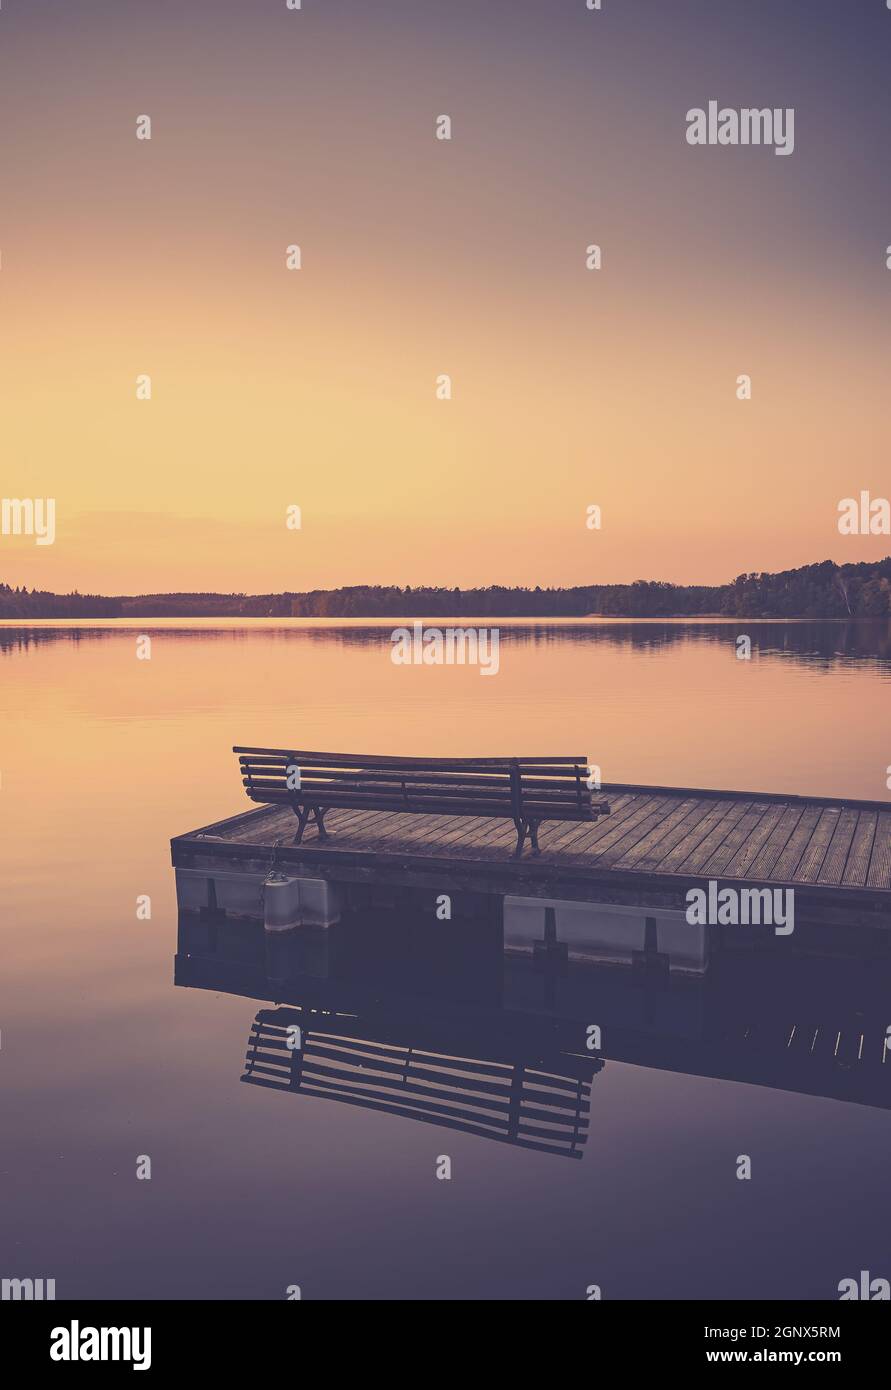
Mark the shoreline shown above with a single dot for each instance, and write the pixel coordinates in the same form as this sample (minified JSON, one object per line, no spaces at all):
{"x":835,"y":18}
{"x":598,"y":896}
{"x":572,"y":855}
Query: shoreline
{"x":489,"y":620}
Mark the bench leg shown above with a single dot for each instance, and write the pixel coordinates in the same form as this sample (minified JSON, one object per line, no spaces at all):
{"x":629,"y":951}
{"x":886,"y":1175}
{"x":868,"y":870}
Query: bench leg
{"x":533,"y":831}
{"x":302,"y":814}
{"x":521,"y":828}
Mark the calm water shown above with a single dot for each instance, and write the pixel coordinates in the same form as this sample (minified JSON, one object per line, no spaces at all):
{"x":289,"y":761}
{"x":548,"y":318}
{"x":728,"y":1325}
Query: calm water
{"x":105,"y":757}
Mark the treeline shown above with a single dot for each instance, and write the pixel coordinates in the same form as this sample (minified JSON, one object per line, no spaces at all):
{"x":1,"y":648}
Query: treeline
{"x":35,"y":603}
{"x":207,"y":606}
{"x":498,"y":601}
{"x":824,"y":590}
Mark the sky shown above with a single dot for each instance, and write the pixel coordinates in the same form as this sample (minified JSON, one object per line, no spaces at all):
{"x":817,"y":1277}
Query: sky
{"x":316,"y":388}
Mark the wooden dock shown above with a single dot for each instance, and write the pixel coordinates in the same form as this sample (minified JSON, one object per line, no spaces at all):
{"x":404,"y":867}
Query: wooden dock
{"x":656,"y":843}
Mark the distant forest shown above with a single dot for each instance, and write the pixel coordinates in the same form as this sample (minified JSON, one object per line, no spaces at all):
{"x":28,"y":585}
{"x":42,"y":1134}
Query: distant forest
{"x":824,"y":590}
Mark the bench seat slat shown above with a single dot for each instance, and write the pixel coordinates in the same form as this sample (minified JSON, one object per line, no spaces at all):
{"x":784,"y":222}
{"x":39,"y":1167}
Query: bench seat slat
{"x":310,"y":776}
{"x":392,"y":803}
{"x":415,"y":786}
{"x":434,"y":806}
{"x":362,"y":793}
{"x":266,"y":775}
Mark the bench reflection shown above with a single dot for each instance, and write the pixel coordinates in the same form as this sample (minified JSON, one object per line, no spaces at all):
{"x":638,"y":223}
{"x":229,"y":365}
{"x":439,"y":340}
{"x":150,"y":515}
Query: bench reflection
{"x":535,"y":1104}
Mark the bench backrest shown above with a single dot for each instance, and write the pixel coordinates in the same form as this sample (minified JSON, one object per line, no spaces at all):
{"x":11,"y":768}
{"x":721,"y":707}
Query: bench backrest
{"x":516,"y":787}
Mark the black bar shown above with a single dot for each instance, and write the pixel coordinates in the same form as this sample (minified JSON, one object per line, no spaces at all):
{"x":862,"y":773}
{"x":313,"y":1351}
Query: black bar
{"x":263,"y":1337}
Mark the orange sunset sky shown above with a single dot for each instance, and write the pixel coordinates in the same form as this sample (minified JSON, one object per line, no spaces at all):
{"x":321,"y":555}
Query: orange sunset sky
{"x":420,"y":257}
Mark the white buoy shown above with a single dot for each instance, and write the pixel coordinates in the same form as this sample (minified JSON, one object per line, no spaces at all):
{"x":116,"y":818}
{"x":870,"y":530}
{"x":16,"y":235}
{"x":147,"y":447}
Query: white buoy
{"x":281,"y":902}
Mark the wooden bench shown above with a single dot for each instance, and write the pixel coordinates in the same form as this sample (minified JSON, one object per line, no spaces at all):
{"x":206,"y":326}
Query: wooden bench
{"x":524,"y":790}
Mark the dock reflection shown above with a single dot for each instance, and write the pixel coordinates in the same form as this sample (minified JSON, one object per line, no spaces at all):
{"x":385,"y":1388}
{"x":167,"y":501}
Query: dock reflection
{"x":388,"y":1012}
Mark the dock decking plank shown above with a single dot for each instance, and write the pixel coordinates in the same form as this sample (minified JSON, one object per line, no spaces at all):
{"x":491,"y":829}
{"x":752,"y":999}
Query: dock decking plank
{"x":609,"y":827}
{"x":719,"y":815}
{"x":775,"y":843}
{"x":879,"y":875}
{"x":734,"y":839}
{"x":629,"y":832}
{"x":368,"y":825}
{"x":857,"y":866}
{"x":427,"y":835}
{"x":812,"y":860}
{"x":553,"y":833}
{"x":784,"y":868}
{"x":490,"y":835}
{"x":738,"y":866}
{"x":593,"y":830}
{"x":676,"y":823}
{"x":343,"y":822}
{"x":839,"y":846}
{"x":606,"y":856}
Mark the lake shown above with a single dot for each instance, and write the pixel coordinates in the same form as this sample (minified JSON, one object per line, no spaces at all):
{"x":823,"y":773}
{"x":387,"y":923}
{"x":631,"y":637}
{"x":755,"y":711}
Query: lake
{"x":105,"y":756}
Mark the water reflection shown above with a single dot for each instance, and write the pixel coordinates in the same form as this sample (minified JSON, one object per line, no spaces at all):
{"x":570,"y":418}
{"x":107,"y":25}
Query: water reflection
{"x":506,"y":1045}
{"x":819,"y":643}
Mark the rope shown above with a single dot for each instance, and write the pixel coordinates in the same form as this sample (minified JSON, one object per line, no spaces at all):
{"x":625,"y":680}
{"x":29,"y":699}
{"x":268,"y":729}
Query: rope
{"x":269,"y":871}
